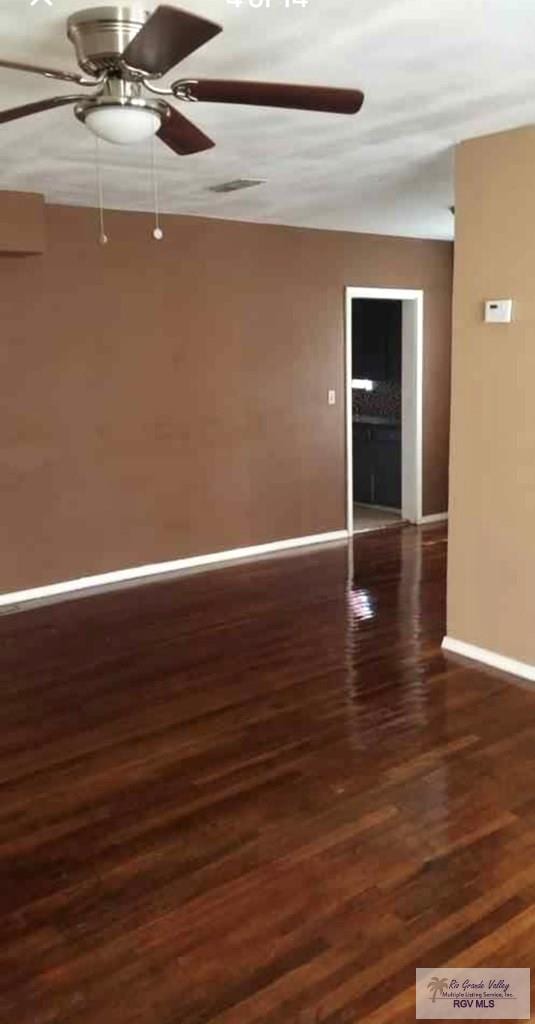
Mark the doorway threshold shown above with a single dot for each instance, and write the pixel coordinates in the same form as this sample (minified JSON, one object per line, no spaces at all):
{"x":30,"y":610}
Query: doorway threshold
{"x":369,"y":517}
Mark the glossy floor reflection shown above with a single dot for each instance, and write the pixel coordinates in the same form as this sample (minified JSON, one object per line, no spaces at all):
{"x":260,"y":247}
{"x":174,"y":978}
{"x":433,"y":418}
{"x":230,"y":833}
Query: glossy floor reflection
{"x":259,"y":794}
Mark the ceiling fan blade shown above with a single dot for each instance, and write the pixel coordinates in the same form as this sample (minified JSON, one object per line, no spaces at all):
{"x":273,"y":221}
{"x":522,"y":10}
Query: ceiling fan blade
{"x":166,"y":38}
{"x":181,"y":135}
{"x":272,"y":94}
{"x":63,"y":76}
{"x":36,"y":108}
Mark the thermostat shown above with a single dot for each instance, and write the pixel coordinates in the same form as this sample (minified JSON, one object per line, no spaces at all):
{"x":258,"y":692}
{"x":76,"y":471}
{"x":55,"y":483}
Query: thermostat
{"x":499,"y":311}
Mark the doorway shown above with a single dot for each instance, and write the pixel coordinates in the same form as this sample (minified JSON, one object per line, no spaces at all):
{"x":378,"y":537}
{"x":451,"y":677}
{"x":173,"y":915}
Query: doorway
{"x":384,"y":385}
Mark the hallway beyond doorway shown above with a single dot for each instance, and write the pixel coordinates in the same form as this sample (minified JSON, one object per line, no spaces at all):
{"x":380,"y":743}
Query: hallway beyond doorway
{"x":369,"y":517}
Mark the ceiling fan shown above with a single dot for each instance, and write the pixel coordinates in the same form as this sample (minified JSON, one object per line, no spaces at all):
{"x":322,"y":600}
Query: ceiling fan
{"x":124,"y":51}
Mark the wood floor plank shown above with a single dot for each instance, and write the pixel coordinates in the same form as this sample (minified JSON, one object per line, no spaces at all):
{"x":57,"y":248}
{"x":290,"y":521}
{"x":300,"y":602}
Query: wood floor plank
{"x":260,"y":795}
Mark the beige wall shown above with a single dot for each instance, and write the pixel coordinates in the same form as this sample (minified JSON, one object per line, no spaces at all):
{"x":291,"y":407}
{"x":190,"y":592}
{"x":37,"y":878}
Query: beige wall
{"x":492,"y":509}
{"x":166,"y":400}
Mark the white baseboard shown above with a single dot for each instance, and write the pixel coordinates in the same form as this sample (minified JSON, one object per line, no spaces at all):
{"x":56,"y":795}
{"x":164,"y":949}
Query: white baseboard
{"x":438,"y":517}
{"x":491,"y":658}
{"x":105,"y":581}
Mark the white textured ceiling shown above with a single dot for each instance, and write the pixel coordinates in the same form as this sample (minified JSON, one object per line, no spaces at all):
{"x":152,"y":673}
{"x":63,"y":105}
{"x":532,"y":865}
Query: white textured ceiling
{"x":434,"y":72}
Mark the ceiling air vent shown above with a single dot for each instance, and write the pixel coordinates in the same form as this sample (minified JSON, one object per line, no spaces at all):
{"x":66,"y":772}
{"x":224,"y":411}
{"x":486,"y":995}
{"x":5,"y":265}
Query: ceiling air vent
{"x":237,"y":185}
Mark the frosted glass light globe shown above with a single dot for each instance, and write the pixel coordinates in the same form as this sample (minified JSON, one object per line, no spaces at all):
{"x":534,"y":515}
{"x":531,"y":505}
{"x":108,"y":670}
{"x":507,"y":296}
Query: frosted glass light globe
{"x":123,"y":125}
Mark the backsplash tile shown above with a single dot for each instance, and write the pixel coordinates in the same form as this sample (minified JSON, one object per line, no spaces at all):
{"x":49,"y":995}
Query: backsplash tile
{"x":384,"y":401}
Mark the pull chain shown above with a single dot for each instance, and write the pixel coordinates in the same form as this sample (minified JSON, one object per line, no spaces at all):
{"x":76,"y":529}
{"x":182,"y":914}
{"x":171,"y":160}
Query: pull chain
{"x":103,"y":238}
{"x":157,"y":231}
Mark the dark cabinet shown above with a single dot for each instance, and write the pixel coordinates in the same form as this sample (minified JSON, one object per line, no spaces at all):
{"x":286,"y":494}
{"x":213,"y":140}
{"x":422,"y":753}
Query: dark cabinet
{"x":377,"y":465}
{"x":377,"y":339}
{"x":387,"y":467}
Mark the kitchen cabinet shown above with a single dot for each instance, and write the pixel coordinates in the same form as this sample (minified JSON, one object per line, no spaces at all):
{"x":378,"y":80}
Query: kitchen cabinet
{"x":377,"y":464}
{"x":387,"y":467}
{"x":377,"y":339}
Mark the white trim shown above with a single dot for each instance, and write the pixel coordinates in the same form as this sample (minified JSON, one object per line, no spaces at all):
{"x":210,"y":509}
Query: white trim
{"x":412,"y":349}
{"x":438,"y":517}
{"x":412,"y":413}
{"x":111,"y":579}
{"x":491,"y":658}
{"x":350,"y":519}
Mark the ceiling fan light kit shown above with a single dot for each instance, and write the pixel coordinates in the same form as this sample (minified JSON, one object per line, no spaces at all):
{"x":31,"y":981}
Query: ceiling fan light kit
{"x":124,"y":51}
{"x":121,"y":114}
{"x":110,"y":123}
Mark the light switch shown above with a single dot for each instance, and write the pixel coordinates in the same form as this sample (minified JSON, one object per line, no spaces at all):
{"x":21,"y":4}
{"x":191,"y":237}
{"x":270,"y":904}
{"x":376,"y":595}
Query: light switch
{"x":332,"y":397}
{"x":499,"y":311}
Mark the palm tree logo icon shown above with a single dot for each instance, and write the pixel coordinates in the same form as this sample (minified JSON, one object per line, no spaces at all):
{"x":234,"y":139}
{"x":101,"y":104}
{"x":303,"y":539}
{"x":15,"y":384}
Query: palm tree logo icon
{"x":437,"y":985}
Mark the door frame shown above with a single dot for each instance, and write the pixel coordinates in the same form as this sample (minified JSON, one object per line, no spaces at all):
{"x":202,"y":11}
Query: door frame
{"x":412,"y":359}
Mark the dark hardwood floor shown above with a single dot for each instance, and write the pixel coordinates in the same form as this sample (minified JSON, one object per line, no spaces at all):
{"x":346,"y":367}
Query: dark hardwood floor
{"x":260,"y":794}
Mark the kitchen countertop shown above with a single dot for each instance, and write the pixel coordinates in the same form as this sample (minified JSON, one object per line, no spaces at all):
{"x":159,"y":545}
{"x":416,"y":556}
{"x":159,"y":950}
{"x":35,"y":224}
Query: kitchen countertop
{"x":377,"y":421}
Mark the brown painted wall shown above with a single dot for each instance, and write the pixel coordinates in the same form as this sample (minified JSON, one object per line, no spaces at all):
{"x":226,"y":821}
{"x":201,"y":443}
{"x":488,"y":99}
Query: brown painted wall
{"x":492,"y":551}
{"x":22,"y":223}
{"x":167,"y":399}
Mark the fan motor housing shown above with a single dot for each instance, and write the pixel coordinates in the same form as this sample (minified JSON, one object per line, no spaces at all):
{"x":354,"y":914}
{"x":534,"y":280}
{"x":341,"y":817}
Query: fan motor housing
{"x":101,"y":34}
